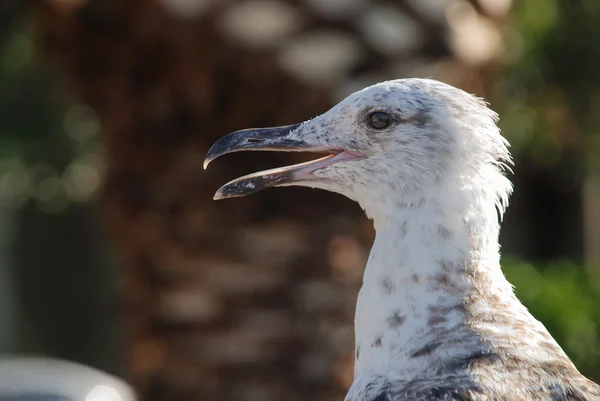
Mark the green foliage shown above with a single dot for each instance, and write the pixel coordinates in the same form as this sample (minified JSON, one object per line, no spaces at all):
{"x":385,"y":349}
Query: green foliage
{"x":551,"y":84}
{"x":566,"y":299}
{"x":549,"y":94}
{"x":48,"y":151}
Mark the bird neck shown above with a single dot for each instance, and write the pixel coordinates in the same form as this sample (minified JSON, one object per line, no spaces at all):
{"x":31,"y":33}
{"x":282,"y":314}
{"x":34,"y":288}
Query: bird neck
{"x":426,"y":264}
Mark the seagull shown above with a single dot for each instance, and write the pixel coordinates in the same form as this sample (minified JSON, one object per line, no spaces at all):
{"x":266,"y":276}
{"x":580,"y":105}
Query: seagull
{"x":435,"y":318}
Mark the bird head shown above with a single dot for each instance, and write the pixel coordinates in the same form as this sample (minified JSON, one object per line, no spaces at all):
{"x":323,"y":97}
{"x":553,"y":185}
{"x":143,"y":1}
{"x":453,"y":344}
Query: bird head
{"x":397,"y":143}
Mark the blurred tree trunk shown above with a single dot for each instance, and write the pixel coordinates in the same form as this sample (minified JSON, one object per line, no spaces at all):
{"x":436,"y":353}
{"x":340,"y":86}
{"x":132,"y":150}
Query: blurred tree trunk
{"x":247,"y":299}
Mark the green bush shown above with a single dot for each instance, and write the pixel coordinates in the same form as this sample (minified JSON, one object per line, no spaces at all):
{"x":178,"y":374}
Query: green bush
{"x":565,"y":297}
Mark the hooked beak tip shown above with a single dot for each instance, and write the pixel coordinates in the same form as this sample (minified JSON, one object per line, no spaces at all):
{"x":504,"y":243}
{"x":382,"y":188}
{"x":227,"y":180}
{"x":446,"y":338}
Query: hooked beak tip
{"x":254,"y":139}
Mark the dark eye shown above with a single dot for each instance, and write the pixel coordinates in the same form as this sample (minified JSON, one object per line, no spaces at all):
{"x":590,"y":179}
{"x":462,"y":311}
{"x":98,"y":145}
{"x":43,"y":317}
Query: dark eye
{"x":379,"y":120}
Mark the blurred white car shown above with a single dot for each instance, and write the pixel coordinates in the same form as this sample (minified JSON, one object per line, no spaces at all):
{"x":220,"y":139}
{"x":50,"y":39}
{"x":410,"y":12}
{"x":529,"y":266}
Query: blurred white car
{"x":43,"y":379}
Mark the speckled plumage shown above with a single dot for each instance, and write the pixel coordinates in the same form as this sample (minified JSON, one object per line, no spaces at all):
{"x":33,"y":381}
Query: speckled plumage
{"x":435,"y":318}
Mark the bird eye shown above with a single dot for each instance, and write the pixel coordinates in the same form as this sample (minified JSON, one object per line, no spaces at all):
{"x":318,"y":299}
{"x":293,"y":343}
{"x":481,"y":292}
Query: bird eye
{"x":379,"y":120}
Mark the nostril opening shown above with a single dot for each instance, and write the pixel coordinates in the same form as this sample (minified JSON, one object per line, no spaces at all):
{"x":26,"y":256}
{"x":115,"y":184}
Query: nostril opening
{"x":254,"y":140}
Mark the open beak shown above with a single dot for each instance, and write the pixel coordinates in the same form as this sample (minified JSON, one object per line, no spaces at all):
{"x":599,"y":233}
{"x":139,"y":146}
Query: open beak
{"x":285,"y":139}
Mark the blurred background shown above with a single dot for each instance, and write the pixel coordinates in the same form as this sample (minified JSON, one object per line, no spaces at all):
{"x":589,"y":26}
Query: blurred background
{"x":113,"y":254}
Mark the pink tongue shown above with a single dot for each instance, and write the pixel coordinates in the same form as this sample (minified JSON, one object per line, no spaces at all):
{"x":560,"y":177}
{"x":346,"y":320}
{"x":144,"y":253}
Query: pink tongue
{"x":252,"y":183}
{"x":304,"y":169}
